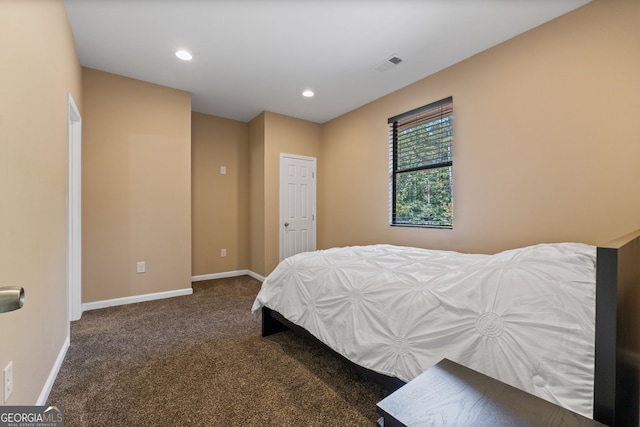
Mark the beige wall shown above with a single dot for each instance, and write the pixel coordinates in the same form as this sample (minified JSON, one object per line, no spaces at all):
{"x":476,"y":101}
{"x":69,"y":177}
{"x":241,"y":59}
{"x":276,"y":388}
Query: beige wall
{"x":220,"y":202}
{"x":546,"y":142}
{"x":256,"y":195}
{"x":38,"y":69}
{"x":270,"y":135}
{"x":283,"y":134}
{"x":136,"y":197}
{"x":546,"y":150}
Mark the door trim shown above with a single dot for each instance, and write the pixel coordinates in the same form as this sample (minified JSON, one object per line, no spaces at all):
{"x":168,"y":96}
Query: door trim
{"x":74,"y":210}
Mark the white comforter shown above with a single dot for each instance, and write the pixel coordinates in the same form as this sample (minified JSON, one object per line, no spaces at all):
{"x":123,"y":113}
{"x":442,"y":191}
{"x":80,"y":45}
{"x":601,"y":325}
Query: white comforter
{"x":524,"y":316}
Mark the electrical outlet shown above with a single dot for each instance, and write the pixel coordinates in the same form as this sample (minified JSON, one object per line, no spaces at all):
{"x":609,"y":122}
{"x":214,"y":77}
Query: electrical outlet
{"x":223,"y":252}
{"x":223,"y":170}
{"x":8,"y":381}
{"x":140,"y":267}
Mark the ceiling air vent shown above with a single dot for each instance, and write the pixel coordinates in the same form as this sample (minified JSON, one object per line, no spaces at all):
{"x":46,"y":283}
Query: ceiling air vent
{"x":389,"y":63}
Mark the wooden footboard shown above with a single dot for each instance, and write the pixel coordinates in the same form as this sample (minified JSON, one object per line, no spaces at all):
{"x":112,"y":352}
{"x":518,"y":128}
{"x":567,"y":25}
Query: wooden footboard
{"x":617,"y":353}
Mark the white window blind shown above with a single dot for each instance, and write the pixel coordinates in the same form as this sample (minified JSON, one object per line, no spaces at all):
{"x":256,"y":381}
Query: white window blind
{"x":421,"y":166}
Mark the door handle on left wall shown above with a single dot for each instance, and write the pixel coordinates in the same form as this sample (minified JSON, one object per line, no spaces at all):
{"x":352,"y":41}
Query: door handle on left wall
{"x":11,"y":298}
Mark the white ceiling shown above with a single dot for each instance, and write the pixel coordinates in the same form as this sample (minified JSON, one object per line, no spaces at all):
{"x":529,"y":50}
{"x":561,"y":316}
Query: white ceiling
{"x":255,"y":55}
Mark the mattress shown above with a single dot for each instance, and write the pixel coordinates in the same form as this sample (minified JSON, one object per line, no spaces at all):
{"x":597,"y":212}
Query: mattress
{"x":524,"y":316}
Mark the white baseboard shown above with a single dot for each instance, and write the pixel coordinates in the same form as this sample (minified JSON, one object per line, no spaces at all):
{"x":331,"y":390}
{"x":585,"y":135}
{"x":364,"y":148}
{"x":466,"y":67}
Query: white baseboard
{"x":227,"y":274}
{"x":255,"y":276}
{"x":48,"y":385}
{"x":44,"y":394}
{"x":219,"y":275}
{"x":138,"y":298}
{"x":169,"y":294}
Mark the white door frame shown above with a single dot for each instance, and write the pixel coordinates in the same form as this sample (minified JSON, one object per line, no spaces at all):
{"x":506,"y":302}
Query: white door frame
{"x":283,"y":190}
{"x":74,"y":210}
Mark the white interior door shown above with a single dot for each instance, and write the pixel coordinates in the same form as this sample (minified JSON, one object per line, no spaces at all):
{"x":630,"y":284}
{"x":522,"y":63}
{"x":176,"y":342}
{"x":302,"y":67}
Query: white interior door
{"x":297,"y":204}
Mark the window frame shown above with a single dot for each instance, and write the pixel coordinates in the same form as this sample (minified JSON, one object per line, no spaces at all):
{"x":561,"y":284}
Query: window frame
{"x":429,"y":110}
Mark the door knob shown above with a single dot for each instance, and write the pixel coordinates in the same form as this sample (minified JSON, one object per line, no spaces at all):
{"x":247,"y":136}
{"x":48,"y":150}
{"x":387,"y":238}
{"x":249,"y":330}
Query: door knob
{"x":11,"y":298}
{"x":286,"y":224}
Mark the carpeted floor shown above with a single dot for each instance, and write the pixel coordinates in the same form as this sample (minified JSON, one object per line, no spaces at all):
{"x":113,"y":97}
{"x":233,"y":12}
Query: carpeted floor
{"x":199,"y":360}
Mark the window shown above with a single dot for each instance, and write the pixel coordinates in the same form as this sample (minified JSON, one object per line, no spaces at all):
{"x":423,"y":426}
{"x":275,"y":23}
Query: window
{"x":421,"y":166}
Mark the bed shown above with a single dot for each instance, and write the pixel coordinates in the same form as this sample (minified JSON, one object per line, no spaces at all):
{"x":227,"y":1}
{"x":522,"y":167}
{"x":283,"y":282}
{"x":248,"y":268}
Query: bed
{"x":557,"y":320}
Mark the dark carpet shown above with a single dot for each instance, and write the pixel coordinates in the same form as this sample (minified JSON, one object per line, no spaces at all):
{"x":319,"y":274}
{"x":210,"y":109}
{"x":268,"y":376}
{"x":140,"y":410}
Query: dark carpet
{"x":199,"y":360}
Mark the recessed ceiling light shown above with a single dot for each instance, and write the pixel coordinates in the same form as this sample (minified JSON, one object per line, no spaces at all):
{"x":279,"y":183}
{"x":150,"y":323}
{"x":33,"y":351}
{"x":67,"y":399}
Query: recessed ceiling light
{"x":184,"y":55}
{"x":307,"y":93}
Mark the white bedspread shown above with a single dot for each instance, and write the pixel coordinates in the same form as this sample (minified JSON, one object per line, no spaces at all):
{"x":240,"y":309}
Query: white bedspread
{"x":524,"y":316}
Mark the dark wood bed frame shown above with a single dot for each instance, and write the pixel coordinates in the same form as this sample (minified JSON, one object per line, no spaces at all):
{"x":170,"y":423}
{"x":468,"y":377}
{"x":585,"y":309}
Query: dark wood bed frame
{"x":617,"y":340}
